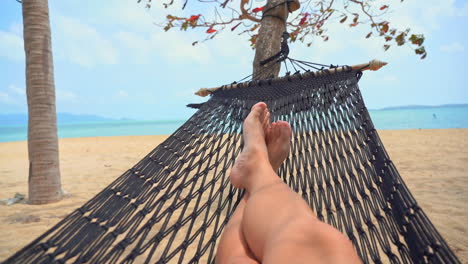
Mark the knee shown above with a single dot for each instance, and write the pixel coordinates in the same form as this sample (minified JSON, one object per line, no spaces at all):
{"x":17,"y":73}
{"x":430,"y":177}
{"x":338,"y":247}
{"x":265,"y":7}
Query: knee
{"x":313,"y":233}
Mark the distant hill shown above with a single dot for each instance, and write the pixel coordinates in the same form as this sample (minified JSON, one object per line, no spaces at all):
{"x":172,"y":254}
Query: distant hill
{"x":62,"y":118}
{"x":421,"y":106}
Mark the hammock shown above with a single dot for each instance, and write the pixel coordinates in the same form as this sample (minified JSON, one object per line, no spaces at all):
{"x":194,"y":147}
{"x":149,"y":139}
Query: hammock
{"x":173,"y":204}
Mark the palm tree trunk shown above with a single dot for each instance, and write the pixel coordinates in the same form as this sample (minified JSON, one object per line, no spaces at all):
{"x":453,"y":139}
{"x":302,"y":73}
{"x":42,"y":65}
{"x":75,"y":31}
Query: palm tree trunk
{"x":269,"y":36}
{"x":44,"y":169}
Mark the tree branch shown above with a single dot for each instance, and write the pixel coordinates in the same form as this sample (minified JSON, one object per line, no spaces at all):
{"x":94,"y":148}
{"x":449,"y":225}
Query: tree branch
{"x":245,"y":14}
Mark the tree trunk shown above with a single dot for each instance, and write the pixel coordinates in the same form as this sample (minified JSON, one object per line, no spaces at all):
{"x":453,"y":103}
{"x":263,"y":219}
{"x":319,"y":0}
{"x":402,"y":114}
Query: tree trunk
{"x":269,"y":37}
{"x":44,"y":170}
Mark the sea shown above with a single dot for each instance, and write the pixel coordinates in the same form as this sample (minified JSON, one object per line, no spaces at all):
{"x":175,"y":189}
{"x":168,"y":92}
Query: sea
{"x":384,"y":119}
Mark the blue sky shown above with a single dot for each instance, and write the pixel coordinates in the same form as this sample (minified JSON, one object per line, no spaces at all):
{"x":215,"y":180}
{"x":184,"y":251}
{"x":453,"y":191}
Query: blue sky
{"x":111,"y":60}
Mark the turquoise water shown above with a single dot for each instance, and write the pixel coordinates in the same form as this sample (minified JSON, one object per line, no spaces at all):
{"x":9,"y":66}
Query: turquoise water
{"x":424,"y":118}
{"x":105,"y":129}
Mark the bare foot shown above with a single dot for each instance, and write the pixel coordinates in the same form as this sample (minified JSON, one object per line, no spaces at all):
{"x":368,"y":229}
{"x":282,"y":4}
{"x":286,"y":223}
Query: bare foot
{"x":255,"y":153}
{"x":278,"y":140}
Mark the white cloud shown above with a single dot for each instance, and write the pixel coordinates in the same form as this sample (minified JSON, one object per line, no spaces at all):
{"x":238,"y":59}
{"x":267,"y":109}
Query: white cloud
{"x":64,"y":95}
{"x":17,"y":90}
{"x":17,"y":29}
{"x":176,"y":47}
{"x":6,"y":98}
{"x":136,"y":46}
{"x":429,"y":14}
{"x":13,"y":95}
{"x":122,"y":93}
{"x":11,"y":46}
{"x":83,"y":44}
{"x":17,"y":96}
{"x":142,"y":42}
{"x":390,"y":78}
{"x":453,"y":47}
{"x":185,"y":93}
{"x":129,"y":15}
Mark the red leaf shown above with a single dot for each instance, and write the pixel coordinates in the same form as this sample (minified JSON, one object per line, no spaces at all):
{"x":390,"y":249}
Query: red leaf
{"x":234,"y":27}
{"x":194,"y":18}
{"x":210,"y":30}
{"x":383,"y":7}
{"x":258,"y":9}
{"x":353,"y":25}
{"x":303,"y":19}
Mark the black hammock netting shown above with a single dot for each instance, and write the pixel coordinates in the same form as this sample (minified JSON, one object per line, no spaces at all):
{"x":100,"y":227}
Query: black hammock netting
{"x":173,"y":204}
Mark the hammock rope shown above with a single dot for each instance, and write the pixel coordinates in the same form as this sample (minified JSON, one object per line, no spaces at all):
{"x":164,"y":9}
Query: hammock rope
{"x":172,"y":206}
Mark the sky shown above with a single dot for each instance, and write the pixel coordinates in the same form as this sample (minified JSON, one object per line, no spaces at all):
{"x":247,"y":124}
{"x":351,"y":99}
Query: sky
{"x":111,"y":60}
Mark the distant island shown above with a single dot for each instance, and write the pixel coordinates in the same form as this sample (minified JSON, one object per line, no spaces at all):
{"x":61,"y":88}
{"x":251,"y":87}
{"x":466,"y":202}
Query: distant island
{"x":420,"y":106}
{"x":62,"y":118}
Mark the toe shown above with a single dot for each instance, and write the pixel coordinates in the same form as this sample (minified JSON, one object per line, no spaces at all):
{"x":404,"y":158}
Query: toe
{"x":255,"y":117}
{"x":277,"y":132}
{"x":285,"y":128}
{"x":271,"y":132}
{"x":266,"y":121}
{"x":258,"y":109}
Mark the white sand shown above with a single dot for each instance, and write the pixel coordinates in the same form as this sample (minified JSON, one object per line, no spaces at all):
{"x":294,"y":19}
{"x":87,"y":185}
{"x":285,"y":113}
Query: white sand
{"x":433,"y":163}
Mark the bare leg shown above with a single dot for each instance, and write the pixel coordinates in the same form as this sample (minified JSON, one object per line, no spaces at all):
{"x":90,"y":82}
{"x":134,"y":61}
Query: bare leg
{"x":233,"y":247}
{"x":278,"y":225}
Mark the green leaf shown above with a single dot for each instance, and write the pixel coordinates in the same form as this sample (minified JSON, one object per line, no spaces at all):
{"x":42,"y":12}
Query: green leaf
{"x":184,"y":26}
{"x":343,"y":19}
{"x":420,"y":50}
{"x":400,"y":39}
{"x":417,"y":39}
{"x":253,"y":40}
{"x":168,"y":26}
{"x":293,"y":37}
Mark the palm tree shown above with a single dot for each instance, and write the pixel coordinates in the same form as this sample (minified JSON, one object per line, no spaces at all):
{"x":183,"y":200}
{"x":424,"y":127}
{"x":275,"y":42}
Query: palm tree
{"x":44,"y":169}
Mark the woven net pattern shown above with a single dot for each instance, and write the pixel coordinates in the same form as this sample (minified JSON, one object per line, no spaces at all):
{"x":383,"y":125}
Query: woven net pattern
{"x":171,"y":207}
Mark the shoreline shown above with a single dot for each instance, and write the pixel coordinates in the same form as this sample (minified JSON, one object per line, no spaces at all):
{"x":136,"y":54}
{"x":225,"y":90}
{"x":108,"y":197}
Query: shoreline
{"x":167,"y":135}
{"x":432,"y":162}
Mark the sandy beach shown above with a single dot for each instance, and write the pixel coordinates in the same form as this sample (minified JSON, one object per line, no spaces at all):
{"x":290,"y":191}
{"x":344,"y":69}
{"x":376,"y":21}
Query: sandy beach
{"x":433,"y":163}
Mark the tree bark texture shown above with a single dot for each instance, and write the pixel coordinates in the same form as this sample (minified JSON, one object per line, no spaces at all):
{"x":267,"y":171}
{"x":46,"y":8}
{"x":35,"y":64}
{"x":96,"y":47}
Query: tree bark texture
{"x":269,"y":37}
{"x":44,"y":170}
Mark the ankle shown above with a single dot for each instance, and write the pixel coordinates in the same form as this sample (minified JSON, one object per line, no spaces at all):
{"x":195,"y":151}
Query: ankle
{"x":257,"y":152}
{"x":266,"y":180}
